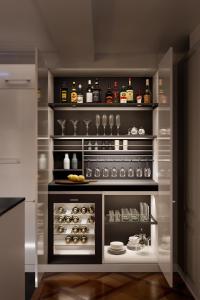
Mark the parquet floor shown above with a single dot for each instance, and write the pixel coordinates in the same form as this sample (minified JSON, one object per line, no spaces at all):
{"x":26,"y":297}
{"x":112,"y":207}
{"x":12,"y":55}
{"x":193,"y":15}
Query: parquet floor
{"x":109,"y":286}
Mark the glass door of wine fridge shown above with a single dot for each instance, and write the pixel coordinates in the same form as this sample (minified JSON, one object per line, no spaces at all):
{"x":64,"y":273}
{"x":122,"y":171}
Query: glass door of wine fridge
{"x":75,"y":223}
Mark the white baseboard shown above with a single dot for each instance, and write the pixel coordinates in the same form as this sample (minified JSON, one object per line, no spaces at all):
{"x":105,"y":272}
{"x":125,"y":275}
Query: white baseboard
{"x":188,"y":282}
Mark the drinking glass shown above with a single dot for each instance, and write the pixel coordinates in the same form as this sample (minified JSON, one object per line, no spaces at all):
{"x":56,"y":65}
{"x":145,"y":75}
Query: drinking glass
{"x":88,"y":172}
{"x":147,"y":171}
{"x":62,"y":124}
{"x":130,"y":172}
{"x":98,"y":122}
{"x":105,"y":172}
{"x":104,"y":122}
{"x":114,"y":172}
{"x":111,"y":122}
{"x":87,"y":123}
{"x":122,"y":172}
{"x":74,"y":123}
{"x":139,"y":172}
{"x":97,"y":172}
{"x":118,"y":123}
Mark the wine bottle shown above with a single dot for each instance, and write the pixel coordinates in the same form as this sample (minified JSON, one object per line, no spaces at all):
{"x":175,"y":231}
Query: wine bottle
{"x":109,"y":95}
{"x":129,"y":92}
{"x":96,"y":92}
{"x":63,"y":93}
{"x":116,"y":92}
{"x":74,"y":161}
{"x":80,"y":94}
{"x":74,"y":95}
{"x":89,"y":95}
{"x":123,"y":97}
{"x":147,"y":94}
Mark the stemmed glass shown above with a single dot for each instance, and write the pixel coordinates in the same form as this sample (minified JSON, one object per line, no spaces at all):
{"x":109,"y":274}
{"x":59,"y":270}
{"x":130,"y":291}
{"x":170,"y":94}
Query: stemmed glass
{"x":87,"y":123}
{"x":104,"y":122}
{"x":62,"y":124}
{"x":118,"y":123}
{"x":74,"y":123}
{"x":98,"y":121}
{"x":111,"y":123}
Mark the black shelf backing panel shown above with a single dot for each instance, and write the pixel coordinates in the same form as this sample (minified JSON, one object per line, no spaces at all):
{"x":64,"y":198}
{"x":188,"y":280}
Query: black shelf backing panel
{"x":128,"y":120}
{"x":122,"y":233}
{"x":59,"y":158}
{"x":137,"y":83}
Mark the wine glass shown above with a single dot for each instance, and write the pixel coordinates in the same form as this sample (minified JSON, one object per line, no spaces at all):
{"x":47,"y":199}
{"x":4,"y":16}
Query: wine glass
{"x":98,"y":121}
{"x":104,"y":122}
{"x":74,"y":123}
{"x":118,"y":123}
{"x":62,"y":124}
{"x":111,"y":123}
{"x":87,"y":123}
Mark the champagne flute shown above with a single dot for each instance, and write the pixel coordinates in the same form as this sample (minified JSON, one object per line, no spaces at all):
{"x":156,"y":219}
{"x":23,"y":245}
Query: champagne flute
{"x":104,"y":122}
{"x":111,"y":122}
{"x":98,"y":121}
{"x":74,"y":123}
{"x":118,"y":123}
{"x":87,"y":123}
{"x":62,"y":124}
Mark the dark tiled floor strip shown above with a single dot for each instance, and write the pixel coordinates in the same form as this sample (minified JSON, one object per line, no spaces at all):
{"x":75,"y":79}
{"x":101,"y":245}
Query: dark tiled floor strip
{"x":109,"y":286}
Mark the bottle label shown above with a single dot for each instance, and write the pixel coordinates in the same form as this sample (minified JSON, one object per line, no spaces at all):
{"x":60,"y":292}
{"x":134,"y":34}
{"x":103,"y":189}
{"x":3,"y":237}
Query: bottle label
{"x":129,"y":95}
{"x":64,"y":95}
{"x":74,"y":97}
{"x":96,"y":96}
{"x":109,"y":99}
{"x":123,"y":98}
{"x":139,"y":99}
{"x":80,"y":99}
{"x":89,"y":97}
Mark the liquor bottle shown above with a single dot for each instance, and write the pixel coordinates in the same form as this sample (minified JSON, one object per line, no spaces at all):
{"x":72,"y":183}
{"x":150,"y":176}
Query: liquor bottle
{"x":66,"y":162}
{"x":116,"y":92}
{"x":109,"y":95}
{"x":74,"y":95}
{"x":139,"y":97}
{"x":147,"y":94}
{"x":63,"y":93}
{"x":96,"y":92}
{"x":74,"y":162}
{"x":89,"y":95}
{"x":80,"y":94}
{"x":129,"y":92}
{"x":123,"y":97}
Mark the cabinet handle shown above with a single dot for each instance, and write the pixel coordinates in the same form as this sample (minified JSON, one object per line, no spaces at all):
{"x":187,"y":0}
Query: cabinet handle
{"x":17,"y":81}
{"x":9,"y":161}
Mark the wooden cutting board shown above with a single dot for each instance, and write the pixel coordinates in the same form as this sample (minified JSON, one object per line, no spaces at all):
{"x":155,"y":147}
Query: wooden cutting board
{"x":65,"y":181}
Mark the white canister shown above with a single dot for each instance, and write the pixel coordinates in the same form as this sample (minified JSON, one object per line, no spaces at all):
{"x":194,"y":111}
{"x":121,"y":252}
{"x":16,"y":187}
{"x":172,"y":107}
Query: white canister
{"x":117,"y":145}
{"x":42,"y":162}
{"x":125,"y":145}
{"x":66,"y":162}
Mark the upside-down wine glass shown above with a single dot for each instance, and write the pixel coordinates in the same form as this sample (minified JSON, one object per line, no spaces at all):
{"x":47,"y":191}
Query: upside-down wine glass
{"x":98,"y":122}
{"x":118,"y":123}
{"x":74,"y":123}
{"x":62,"y":122}
{"x":111,"y":122}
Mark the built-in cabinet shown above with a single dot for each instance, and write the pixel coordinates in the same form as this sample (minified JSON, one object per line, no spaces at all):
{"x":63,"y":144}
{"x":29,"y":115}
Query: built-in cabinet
{"x":112,"y":158}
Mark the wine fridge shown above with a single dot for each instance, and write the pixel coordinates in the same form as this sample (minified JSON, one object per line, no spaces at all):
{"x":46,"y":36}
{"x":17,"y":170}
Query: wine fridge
{"x":75,"y":228}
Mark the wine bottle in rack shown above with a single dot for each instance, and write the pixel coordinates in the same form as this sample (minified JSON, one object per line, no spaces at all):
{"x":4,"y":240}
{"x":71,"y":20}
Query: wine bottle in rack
{"x":147,"y":94}
{"x":83,"y":239}
{"x":129,"y":92}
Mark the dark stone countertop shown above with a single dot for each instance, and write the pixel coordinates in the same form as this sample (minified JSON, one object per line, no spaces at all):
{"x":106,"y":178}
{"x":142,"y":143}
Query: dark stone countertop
{"x":7,"y":203}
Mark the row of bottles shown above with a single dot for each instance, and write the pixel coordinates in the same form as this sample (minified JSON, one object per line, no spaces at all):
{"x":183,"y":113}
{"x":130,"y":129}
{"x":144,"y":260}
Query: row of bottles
{"x":93,"y":94}
{"x":76,"y":210}
{"x":73,"y":164}
{"x":73,"y":219}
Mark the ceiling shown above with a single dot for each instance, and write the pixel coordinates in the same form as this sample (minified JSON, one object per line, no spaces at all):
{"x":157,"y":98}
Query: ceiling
{"x":86,"y":33}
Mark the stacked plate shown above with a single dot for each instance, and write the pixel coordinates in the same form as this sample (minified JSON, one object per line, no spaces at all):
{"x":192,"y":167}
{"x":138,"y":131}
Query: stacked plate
{"x":117,"y":248}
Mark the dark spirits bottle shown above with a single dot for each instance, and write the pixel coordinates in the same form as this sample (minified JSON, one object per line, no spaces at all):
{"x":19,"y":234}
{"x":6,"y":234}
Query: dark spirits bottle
{"x":80,"y":94}
{"x":63,"y":93}
{"x":129,"y":92}
{"x":147,"y":94}
{"x":74,"y":95}
{"x":109,"y":95}
{"x":96,"y":92}
{"x":123,"y":97}
{"x":116,"y":92}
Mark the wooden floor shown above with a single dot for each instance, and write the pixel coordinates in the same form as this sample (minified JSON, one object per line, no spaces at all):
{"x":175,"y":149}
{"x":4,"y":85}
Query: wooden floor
{"x":109,"y":286}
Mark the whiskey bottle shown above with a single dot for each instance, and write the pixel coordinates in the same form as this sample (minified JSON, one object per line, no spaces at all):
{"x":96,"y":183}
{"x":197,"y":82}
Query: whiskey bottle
{"x":123,"y":97}
{"x":96,"y":92}
{"x":129,"y":92}
{"x":63,"y":93}
{"x":80,"y":94}
{"x":109,"y":95}
{"x":147,"y":94}
{"x":116,"y":92}
{"x":74,"y":95}
{"x":89,"y":95}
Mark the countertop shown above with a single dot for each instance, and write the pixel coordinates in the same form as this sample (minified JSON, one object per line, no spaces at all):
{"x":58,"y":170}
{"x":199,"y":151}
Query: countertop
{"x":7,"y":203}
{"x":108,"y":185}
